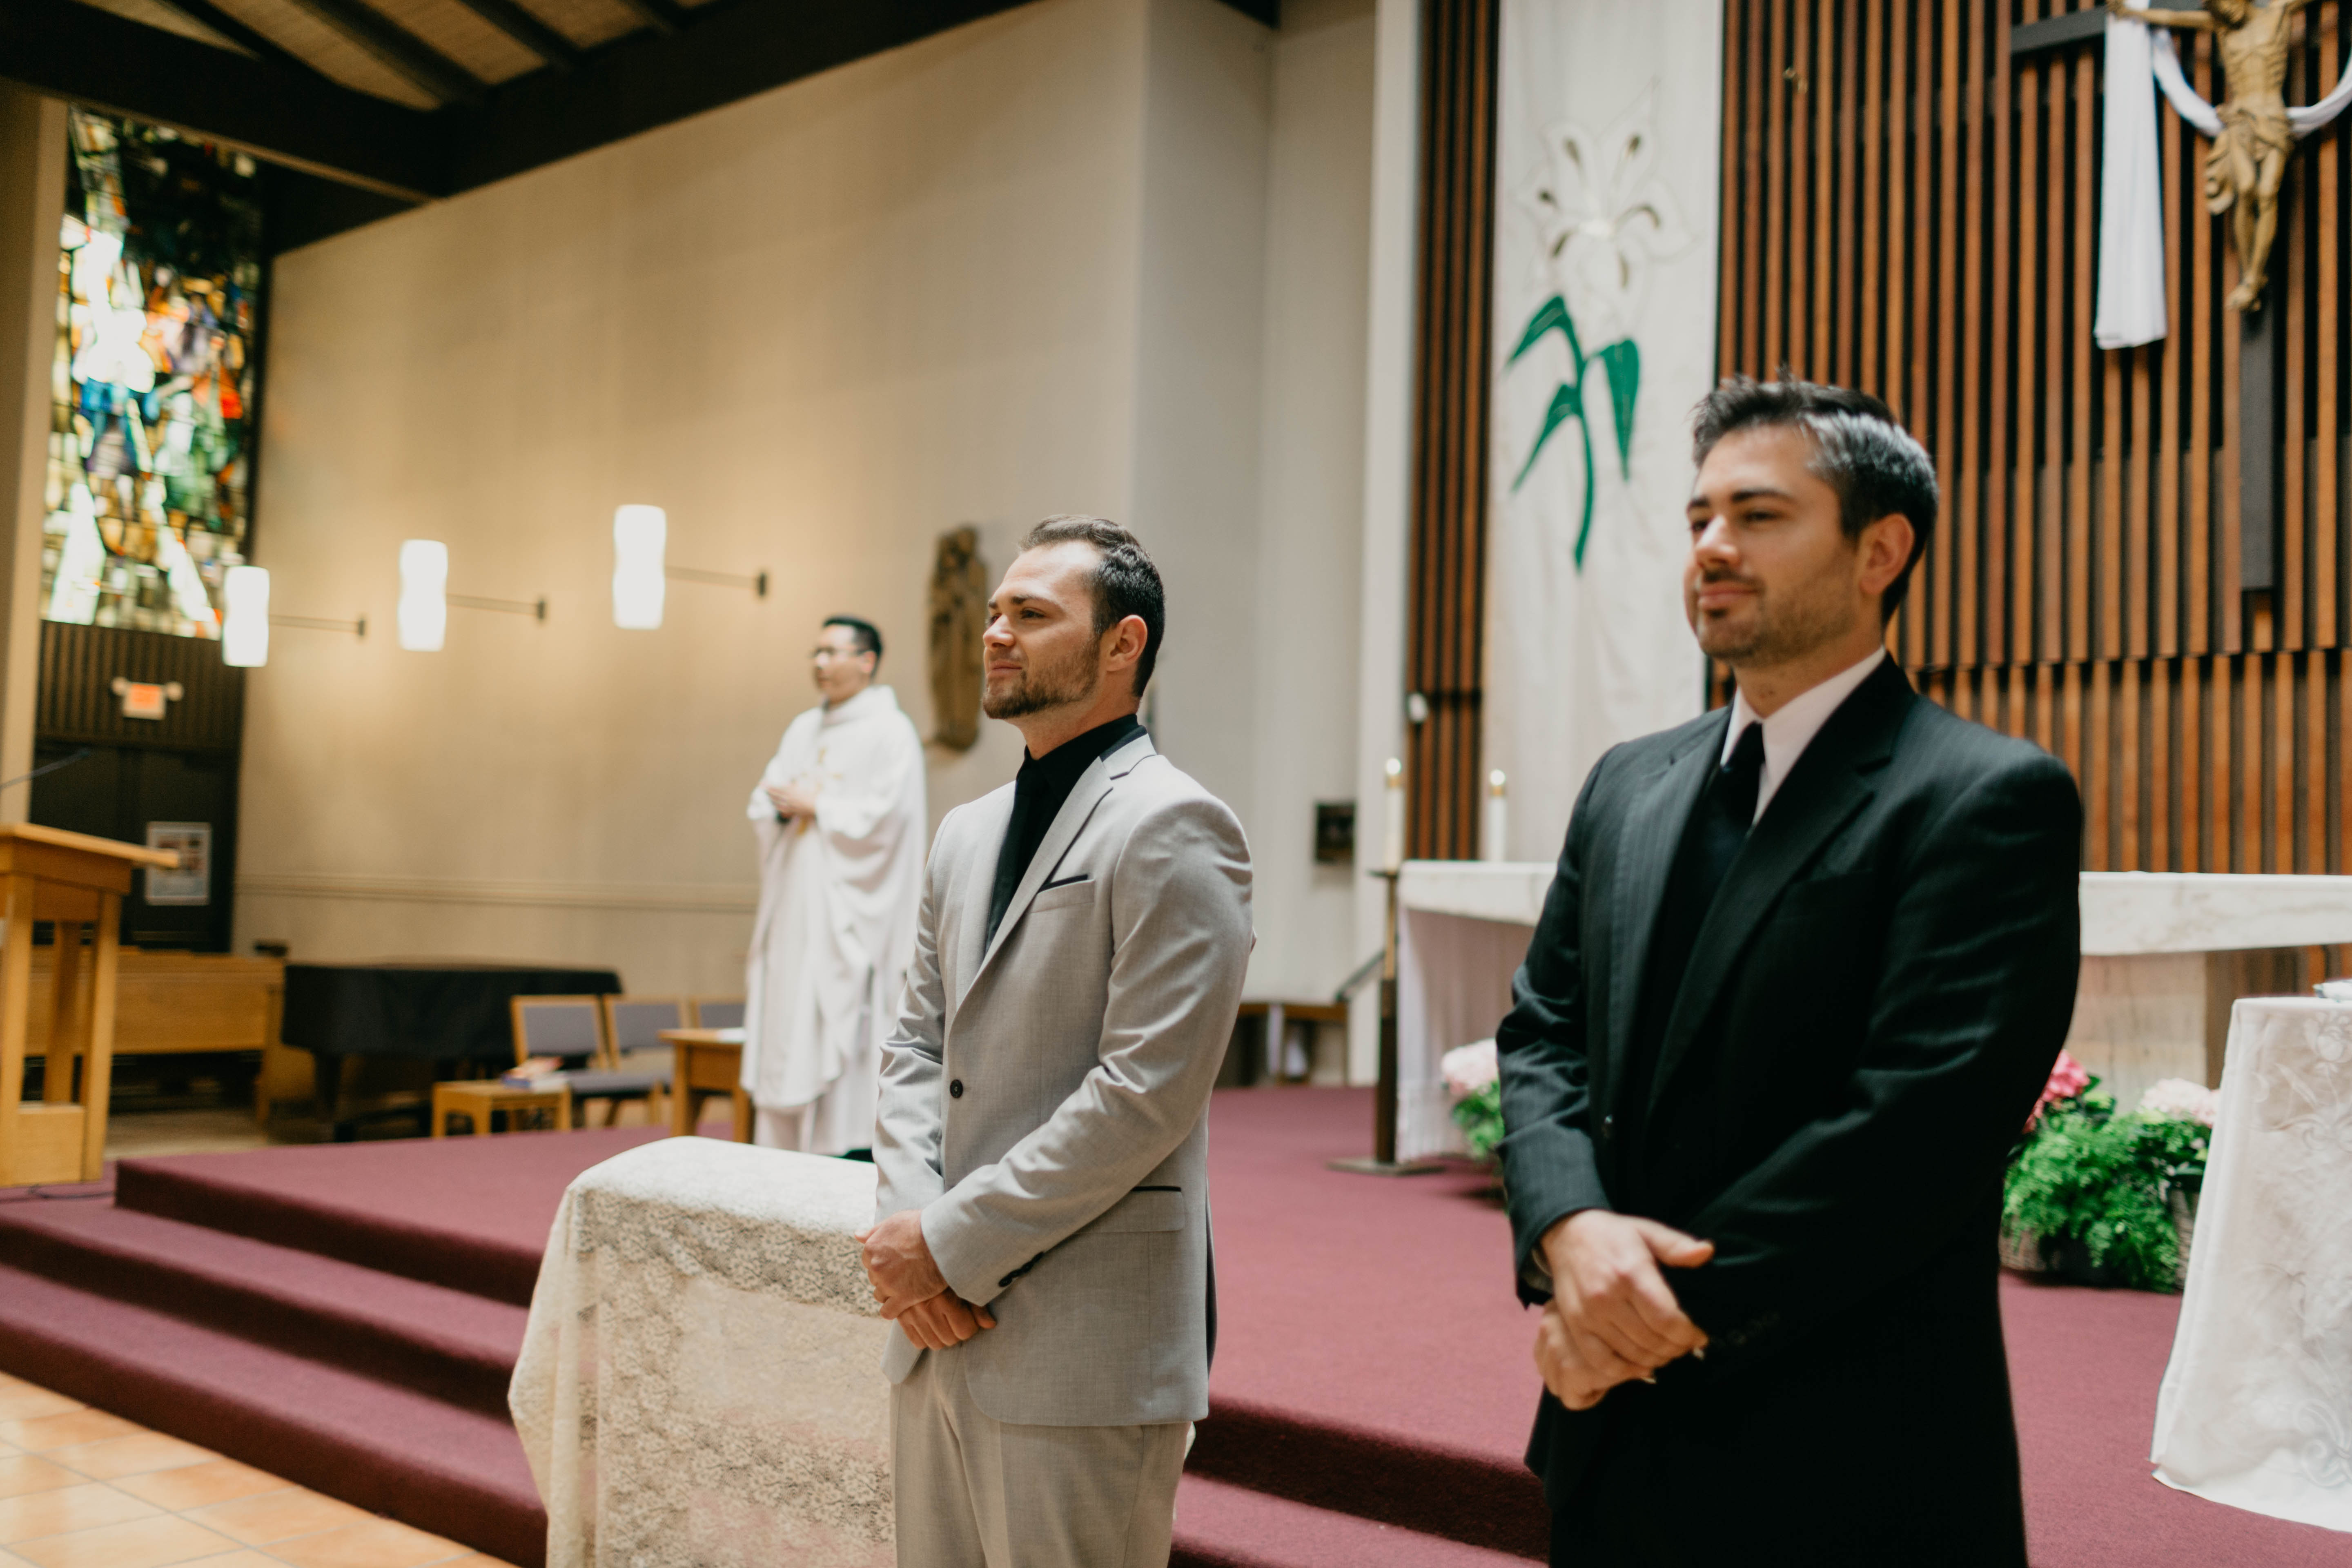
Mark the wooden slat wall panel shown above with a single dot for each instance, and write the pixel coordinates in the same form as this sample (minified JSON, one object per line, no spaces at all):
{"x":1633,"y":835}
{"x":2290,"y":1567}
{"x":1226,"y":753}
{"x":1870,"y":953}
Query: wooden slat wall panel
{"x":1446,"y":609}
{"x":1911,"y":209}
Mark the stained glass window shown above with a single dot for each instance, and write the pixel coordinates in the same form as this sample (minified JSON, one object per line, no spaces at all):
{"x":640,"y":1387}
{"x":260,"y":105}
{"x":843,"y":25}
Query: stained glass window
{"x":159,"y":286}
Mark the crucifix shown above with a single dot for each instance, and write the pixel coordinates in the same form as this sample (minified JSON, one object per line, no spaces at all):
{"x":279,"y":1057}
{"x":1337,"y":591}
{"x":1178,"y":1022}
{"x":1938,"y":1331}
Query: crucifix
{"x":2247,"y":166}
{"x":2254,"y":132}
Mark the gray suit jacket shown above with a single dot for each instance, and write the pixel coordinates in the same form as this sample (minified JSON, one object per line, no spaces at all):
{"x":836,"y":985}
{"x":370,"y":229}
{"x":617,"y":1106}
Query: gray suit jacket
{"x":1045,"y":1096}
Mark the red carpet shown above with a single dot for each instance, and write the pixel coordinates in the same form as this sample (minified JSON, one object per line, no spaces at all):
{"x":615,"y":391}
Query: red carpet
{"x":469,"y":1212}
{"x":346,"y":1317}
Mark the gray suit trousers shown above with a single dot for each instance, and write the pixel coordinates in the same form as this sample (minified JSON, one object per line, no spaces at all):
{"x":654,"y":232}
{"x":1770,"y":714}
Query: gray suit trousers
{"x":976,"y":1493}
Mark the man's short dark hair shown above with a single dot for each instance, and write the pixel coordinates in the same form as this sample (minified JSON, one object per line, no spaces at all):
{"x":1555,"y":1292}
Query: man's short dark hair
{"x":869,"y":640}
{"x":1126,"y":583}
{"x":1859,"y":450}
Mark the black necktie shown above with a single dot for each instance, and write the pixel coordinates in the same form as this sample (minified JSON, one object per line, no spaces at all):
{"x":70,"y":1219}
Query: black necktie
{"x":1729,"y":809}
{"x":1717,"y":827}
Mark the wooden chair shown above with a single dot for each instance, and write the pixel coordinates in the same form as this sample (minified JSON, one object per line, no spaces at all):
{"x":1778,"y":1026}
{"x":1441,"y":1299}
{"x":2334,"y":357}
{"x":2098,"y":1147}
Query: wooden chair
{"x":633,"y":1045}
{"x":569,"y":1028}
{"x":718,"y":1013}
{"x":633,"y":1023}
{"x":572,"y":1030}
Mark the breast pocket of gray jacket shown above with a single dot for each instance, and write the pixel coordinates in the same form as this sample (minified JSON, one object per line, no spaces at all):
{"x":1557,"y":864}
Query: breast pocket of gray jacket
{"x":1059,"y":897}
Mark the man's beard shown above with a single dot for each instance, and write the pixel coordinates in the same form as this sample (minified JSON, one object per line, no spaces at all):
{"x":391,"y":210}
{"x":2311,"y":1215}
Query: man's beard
{"x":1074,"y":680}
{"x":1778,"y":632}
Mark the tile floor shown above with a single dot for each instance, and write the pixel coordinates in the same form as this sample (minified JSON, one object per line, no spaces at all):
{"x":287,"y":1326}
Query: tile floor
{"x":81,"y":1488}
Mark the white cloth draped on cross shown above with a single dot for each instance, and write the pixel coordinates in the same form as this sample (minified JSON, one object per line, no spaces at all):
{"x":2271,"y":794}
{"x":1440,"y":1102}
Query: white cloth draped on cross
{"x":2139,"y":62}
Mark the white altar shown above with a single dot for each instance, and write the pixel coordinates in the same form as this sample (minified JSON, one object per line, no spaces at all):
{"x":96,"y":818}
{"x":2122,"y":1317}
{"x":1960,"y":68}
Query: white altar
{"x":2163,"y":956}
{"x":2256,"y":1406}
{"x":701,"y":1379}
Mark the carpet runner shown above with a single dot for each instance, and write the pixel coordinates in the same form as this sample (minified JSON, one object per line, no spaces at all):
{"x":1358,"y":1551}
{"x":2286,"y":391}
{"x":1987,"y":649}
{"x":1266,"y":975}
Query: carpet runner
{"x":347,"y":1316}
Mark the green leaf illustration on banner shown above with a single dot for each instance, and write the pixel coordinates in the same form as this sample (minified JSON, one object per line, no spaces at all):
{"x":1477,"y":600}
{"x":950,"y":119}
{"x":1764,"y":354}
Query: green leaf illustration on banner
{"x":1623,"y":361}
{"x":1621,"y":367}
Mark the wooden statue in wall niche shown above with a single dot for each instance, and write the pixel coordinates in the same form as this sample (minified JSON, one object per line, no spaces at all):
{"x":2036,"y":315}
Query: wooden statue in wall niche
{"x":959,"y":616}
{"x":2248,"y":162}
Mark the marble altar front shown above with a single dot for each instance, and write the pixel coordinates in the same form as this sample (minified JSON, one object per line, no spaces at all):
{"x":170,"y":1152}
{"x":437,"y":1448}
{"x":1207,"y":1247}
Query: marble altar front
{"x":2163,"y":956}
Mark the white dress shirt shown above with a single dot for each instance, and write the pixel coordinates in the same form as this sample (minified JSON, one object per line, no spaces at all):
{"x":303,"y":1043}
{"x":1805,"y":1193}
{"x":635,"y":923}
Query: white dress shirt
{"x":1793,"y":724}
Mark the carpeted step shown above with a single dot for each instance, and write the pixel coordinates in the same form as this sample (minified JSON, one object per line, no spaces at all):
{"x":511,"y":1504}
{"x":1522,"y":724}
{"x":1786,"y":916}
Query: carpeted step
{"x":1396,"y":1477}
{"x":458,"y":1473}
{"x":1218,"y":1525}
{"x":467,"y":1213}
{"x":439,"y":1342}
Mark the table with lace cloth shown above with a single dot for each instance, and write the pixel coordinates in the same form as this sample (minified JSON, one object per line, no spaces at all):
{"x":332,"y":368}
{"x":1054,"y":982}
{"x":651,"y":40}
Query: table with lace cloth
{"x":2256,"y":1406}
{"x":701,"y":1380}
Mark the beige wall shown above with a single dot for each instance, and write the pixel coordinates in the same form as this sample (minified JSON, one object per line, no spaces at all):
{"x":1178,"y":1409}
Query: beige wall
{"x":1310,"y":557}
{"x":1021,"y":268}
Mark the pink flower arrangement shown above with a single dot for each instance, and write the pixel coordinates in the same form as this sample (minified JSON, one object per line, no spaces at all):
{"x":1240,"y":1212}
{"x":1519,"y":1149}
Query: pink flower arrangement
{"x":2068,"y":1078}
{"x":2178,"y":1099}
{"x":1469,"y":1069}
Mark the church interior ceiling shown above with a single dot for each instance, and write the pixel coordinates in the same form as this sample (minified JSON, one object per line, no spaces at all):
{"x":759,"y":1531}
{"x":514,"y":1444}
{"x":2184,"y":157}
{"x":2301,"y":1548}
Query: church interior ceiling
{"x":365,"y":108}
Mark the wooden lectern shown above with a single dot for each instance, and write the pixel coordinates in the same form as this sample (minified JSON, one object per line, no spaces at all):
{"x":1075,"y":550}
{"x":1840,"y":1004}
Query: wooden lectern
{"x":75,"y":880}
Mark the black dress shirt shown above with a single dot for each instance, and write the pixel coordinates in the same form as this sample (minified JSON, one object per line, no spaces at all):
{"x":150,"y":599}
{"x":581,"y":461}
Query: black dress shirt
{"x":1038,"y":792}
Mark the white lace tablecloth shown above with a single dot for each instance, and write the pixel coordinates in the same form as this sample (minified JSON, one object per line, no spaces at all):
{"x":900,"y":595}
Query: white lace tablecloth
{"x":700,"y":1382}
{"x":2256,"y":1406}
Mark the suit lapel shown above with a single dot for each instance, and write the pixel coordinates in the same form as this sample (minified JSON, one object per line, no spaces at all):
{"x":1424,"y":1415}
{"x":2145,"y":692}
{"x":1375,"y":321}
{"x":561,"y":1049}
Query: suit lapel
{"x":1834,"y":778}
{"x":1646,"y":858}
{"x":991,"y":816}
{"x":1088,"y":793}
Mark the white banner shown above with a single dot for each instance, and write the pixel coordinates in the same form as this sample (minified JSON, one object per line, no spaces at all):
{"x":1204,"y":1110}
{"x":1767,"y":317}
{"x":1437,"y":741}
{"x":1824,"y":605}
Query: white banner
{"x":1608,"y":160}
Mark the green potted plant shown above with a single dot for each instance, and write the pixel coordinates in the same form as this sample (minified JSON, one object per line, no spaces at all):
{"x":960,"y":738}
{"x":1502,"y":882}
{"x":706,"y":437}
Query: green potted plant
{"x":2099,"y":1197}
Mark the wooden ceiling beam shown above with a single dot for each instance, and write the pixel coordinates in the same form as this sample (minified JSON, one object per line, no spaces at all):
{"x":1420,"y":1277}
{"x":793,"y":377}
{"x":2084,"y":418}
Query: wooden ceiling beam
{"x":643,"y":80}
{"x":662,"y":16}
{"x":551,"y":46}
{"x":253,"y":41}
{"x":292,"y":117}
{"x":399,"y":50}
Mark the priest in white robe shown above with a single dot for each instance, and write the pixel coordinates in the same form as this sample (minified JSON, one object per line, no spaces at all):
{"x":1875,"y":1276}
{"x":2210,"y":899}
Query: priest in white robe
{"x":840,"y":818}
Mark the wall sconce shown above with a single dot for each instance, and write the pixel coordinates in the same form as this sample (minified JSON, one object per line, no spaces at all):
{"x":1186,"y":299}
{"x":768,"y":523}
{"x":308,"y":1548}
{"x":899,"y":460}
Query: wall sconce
{"x":425,"y":597}
{"x":424,"y":594}
{"x":640,"y":539}
{"x":245,"y":626}
{"x":639,"y":536}
{"x":245,"y":619}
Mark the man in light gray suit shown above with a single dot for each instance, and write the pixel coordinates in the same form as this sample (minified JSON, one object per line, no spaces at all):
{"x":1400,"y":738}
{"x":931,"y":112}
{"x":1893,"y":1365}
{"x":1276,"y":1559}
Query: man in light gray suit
{"x":1043,"y":1226}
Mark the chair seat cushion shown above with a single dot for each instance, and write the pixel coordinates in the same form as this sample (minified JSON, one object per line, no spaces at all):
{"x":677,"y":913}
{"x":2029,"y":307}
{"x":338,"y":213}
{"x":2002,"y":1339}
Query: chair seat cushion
{"x":615,"y":1085}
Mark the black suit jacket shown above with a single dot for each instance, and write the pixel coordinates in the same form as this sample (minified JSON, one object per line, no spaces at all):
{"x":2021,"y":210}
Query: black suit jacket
{"x":1871,"y":1008}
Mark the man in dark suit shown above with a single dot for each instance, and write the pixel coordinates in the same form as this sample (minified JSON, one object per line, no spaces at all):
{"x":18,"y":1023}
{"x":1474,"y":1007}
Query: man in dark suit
{"x":1798,"y":982}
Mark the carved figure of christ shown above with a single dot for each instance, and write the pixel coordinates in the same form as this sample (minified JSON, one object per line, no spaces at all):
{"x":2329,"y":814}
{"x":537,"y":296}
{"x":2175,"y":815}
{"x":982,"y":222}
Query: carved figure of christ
{"x":2248,"y":162}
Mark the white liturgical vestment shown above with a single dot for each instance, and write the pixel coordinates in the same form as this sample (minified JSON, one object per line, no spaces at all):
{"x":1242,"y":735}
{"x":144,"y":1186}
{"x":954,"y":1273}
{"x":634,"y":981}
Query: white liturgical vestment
{"x":836,"y":930}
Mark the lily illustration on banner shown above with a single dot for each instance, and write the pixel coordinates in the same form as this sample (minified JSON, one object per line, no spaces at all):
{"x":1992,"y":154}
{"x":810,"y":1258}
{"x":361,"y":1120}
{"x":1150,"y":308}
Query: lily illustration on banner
{"x":1603,"y":219}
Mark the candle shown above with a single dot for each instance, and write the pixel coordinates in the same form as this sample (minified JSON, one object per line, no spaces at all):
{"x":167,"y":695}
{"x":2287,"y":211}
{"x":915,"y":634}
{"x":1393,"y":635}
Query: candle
{"x":1392,"y":840}
{"x":1496,"y":819}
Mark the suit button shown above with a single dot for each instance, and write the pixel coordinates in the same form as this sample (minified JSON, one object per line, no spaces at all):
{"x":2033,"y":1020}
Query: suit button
{"x":955,"y":1089}
{"x":1609,"y":1123}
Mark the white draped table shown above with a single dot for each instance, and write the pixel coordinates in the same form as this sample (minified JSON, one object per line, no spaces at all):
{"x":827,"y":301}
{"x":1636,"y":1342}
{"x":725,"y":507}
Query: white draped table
{"x":700,"y":1381}
{"x":2164,"y":955}
{"x":2256,"y":1405}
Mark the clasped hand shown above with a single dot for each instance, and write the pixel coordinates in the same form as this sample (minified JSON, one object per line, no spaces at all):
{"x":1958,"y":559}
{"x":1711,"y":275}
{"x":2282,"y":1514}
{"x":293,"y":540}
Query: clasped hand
{"x":1612,"y":1318}
{"x":912,"y":1290}
{"x":795,"y":799}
